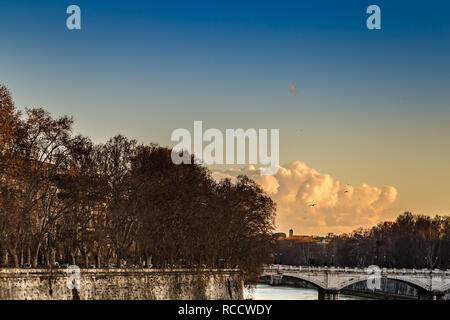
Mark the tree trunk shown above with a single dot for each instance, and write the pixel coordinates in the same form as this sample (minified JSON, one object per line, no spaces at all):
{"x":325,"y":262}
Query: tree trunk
{"x":73,"y":257}
{"x":86,"y":259}
{"x":99,"y":259}
{"x":36,"y":255}
{"x":47,"y":259}
{"x":14,"y":256}
{"x":5,"y":258}
{"x":52,"y":257}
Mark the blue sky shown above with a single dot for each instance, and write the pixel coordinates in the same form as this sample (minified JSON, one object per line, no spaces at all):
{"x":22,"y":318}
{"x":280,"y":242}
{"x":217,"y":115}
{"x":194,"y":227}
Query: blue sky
{"x":372,"y":107}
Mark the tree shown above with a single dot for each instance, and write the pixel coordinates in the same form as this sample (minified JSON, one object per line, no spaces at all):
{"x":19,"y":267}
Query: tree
{"x":65,"y":199}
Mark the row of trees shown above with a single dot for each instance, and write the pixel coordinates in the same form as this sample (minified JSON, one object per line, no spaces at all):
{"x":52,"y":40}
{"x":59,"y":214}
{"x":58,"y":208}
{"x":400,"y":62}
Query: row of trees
{"x":411,"y":241}
{"x":66,"y":199}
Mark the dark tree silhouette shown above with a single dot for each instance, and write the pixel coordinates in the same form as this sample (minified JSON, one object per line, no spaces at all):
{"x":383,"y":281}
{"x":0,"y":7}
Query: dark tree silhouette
{"x":64,"y":199}
{"x":411,"y":241}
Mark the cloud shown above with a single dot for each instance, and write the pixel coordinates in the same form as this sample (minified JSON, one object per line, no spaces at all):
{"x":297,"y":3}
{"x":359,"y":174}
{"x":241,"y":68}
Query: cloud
{"x":339,"y":207}
{"x":292,"y":88}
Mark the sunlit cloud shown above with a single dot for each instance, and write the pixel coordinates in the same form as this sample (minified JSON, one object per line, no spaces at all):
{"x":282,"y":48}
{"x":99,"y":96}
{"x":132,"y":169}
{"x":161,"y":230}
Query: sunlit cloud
{"x":314,"y":203}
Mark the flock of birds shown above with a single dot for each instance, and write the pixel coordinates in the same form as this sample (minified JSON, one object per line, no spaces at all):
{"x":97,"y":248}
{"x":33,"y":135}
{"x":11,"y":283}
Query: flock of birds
{"x":315,"y":204}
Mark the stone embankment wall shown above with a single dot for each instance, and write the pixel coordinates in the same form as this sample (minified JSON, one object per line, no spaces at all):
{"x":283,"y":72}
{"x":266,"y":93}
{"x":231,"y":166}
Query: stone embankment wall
{"x":126,"y":284}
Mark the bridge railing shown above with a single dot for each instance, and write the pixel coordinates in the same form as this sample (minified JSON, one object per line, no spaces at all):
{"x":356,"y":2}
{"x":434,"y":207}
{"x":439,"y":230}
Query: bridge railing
{"x":279,"y":267}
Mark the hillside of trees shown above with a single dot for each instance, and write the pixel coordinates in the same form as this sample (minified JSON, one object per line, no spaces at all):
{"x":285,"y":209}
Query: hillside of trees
{"x":65,"y":199}
{"x":411,"y":241}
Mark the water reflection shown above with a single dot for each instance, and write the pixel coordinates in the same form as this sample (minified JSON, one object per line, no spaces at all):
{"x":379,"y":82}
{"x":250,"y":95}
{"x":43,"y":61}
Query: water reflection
{"x":267,"y":292}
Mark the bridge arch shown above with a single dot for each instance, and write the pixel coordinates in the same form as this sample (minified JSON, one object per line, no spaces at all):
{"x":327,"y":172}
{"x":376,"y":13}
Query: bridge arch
{"x":319,"y":284}
{"x":419,"y":285}
{"x":446,"y":287}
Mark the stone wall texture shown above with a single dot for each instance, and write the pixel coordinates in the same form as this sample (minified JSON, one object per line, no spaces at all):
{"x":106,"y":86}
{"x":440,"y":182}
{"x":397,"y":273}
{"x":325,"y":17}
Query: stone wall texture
{"x":124,"y":284}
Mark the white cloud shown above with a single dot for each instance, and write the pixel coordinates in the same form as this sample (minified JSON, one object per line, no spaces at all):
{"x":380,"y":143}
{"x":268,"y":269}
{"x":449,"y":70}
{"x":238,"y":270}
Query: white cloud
{"x":339,"y":207}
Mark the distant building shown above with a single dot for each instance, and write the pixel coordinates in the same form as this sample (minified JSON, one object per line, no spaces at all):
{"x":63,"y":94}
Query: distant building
{"x":280,"y":236}
{"x":298,"y":238}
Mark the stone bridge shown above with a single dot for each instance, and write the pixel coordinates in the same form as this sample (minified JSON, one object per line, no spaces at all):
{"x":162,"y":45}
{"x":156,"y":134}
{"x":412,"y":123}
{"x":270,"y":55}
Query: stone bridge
{"x":431,"y":284}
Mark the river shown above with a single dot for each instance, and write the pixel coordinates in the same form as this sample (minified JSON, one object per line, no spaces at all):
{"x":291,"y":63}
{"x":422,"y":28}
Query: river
{"x":267,"y":292}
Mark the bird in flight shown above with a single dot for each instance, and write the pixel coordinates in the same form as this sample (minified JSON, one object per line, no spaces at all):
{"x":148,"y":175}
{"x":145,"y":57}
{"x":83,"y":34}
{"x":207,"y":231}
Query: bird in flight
{"x":313,"y":204}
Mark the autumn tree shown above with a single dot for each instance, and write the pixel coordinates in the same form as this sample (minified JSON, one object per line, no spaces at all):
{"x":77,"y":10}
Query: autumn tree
{"x":65,"y":199}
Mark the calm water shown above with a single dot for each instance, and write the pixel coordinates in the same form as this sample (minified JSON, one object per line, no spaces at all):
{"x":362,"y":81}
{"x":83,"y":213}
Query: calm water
{"x":266,"y":292}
